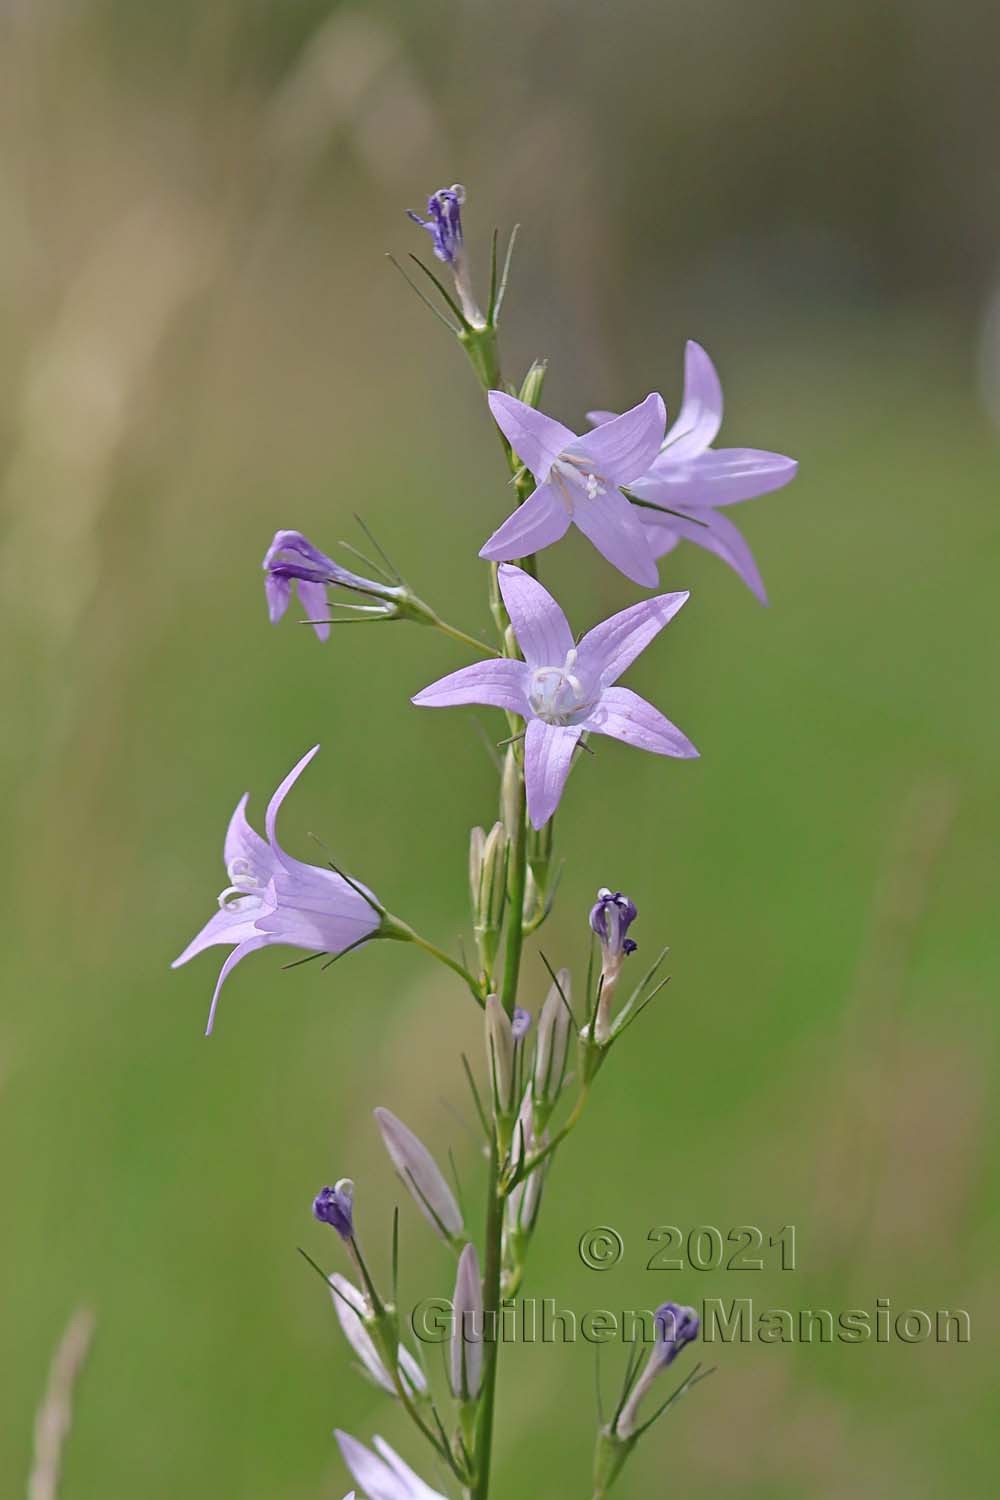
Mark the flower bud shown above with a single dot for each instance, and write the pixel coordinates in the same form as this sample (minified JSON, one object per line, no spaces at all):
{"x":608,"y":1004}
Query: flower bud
{"x":335,"y":1206}
{"x":488,"y":885}
{"x":355,"y":1318}
{"x":536,"y":898}
{"x":421,"y":1175}
{"x":444,"y":224}
{"x":611,"y":917}
{"x":500,"y":1056}
{"x":531,"y":385}
{"x":510,"y":795}
{"x":551,"y":1047}
{"x":466,"y":1369}
{"x":676,"y":1327}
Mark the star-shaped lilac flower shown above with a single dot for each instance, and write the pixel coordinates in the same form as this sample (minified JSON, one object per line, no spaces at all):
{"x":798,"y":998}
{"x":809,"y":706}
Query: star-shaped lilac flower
{"x":691,"y":478}
{"x":579,"y":481}
{"x":562,"y":689}
{"x":273,"y":898}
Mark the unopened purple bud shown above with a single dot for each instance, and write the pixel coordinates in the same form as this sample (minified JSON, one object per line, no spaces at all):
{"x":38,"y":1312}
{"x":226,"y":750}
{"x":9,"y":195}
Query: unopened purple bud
{"x":676,"y":1327}
{"x":611,"y":916}
{"x":335,"y":1206}
{"x":521,"y":1023}
{"x":444,"y":222}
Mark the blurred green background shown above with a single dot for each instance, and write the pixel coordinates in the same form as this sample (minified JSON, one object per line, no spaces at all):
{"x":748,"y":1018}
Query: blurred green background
{"x":201,"y":343}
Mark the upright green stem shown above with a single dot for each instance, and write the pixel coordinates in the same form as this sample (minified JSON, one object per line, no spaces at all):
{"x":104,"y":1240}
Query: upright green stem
{"x":517,"y":875}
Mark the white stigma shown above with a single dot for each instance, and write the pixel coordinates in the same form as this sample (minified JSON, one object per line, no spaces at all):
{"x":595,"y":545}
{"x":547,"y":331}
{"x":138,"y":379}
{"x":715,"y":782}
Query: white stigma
{"x":572,"y":475}
{"x":244,"y":895}
{"x":557,"y":695}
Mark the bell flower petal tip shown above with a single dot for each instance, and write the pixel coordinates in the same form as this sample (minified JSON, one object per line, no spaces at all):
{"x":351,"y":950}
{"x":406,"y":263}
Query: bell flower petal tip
{"x":579,"y":482}
{"x":689,"y":478}
{"x":563,"y":690}
{"x":382,"y":1475}
{"x":273,"y":898}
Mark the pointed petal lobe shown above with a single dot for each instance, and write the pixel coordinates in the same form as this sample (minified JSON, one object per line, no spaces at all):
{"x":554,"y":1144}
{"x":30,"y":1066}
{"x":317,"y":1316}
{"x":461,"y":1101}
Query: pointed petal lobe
{"x":537,"y":439}
{"x":611,"y":523}
{"x":613,"y":645}
{"x":548,"y":754}
{"x":722,"y":476}
{"x":539,"y":522}
{"x":225,"y":926}
{"x":623,"y":448}
{"x":315,"y":606}
{"x":625,"y":716}
{"x":273,"y":806}
{"x":238,"y":954}
{"x":700,"y":416}
{"x":498,"y":683}
{"x":542,"y":630}
{"x":717,"y":534}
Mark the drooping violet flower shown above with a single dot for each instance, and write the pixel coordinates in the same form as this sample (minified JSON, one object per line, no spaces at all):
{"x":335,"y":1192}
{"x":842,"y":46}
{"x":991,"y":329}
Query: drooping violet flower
{"x":273,"y":898}
{"x":292,"y":558}
{"x":561,"y":689}
{"x":335,"y":1206}
{"x":444,"y":223}
{"x":383,"y":1475}
{"x":352,"y":1310}
{"x":692,"y":478}
{"x":579,"y":481}
{"x":466,"y":1352}
{"x":675,"y":1328}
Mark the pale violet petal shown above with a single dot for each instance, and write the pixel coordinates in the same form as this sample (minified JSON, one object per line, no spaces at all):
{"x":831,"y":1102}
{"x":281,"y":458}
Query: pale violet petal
{"x":372,"y":1475}
{"x":540,"y":626}
{"x":610,"y":522}
{"x":700,"y":416}
{"x":245,"y":843}
{"x":596,"y":418}
{"x":535,"y":438}
{"x":274,"y":805}
{"x":228,"y":925}
{"x":548,"y":754}
{"x":250,"y":945}
{"x":415,"y":1488}
{"x":539,"y":522}
{"x":315,"y":606}
{"x":717,"y":534}
{"x":721,"y":476}
{"x":623,"y":715}
{"x":498,"y":683}
{"x":624,"y":448}
{"x":610,"y":647}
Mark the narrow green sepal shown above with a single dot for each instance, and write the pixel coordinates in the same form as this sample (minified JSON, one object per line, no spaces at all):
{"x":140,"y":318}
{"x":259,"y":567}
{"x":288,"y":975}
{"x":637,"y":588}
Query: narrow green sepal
{"x":609,"y":1459}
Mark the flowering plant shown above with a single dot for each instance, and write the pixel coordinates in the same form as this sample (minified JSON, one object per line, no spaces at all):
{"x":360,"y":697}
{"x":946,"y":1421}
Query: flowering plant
{"x":635,"y":489}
